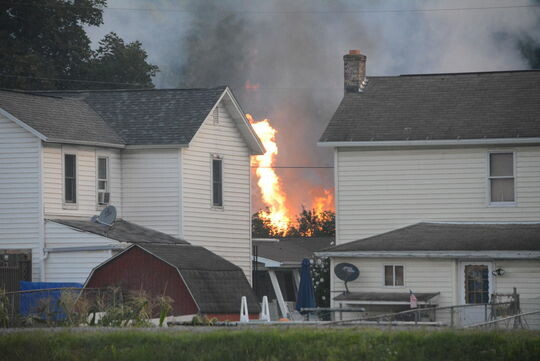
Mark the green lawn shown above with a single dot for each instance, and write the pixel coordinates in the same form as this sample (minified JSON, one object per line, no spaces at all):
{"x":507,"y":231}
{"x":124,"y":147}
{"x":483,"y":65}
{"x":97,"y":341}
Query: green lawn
{"x":274,"y":344}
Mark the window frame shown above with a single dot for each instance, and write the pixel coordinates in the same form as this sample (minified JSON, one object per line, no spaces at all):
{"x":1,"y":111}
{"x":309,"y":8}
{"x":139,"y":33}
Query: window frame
{"x":393,"y":265}
{"x":107,"y":180}
{"x":65,"y":204}
{"x":216,"y":157}
{"x":489,"y":177}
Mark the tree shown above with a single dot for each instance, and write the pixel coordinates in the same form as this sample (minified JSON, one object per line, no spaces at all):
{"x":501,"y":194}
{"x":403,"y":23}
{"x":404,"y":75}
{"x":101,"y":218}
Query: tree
{"x":115,"y":61}
{"x":44,"y":40}
{"x":309,"y":223}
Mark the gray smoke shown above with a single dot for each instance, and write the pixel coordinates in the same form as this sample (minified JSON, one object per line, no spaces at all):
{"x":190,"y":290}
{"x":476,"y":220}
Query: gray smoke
{"x":293,"y":51}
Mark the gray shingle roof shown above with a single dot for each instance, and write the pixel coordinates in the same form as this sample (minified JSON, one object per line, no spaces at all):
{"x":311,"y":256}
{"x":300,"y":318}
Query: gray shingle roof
{"x":152,"y":116}
{"x":451,"y":237}
{"x":291,"y":251}
{"x":59,"y":118}
{"x":440,"y":107}
{"x":122,"y":231}
{"x":216,"y":284}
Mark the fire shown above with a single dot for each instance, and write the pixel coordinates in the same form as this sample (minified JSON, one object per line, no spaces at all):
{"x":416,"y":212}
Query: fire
{"x":323,"y":203}
{"x":268,"y":181}
{"x":279,"y":215}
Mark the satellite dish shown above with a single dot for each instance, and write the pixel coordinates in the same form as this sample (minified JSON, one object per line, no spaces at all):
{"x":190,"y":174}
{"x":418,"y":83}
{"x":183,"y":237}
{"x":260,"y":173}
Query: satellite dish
{"x":107,"y":216}
{"x":346,"y":272}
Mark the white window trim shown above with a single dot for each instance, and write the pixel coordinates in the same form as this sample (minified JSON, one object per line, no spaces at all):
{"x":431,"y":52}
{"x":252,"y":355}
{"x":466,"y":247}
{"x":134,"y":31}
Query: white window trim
{"x":65,"y":205}
{"x":106,"y":156}
{"x":489,"y":178}
{"x":213,"y":157}
{"x":394,"y":275}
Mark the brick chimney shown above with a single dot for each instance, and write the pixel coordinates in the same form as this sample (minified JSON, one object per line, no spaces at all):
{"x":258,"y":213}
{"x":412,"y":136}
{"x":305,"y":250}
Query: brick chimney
{"x":355,"y":71}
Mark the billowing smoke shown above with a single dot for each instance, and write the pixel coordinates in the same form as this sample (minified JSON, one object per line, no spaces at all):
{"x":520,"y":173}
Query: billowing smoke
{"x":290,"y":53}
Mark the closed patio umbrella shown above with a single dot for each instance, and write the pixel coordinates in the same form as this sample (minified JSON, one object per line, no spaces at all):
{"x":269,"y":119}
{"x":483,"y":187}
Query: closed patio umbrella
{"x":306,"y":294}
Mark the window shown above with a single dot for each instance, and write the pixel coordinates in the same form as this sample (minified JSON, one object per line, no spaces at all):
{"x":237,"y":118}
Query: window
{"x":103,"y":180}
{"x":70,"y":178}
{"x":501,"y":178}
{"x":476,"y":284}
{"x":393,"y":275}
{"x":215,"y":115}
{"x":217,"y":182}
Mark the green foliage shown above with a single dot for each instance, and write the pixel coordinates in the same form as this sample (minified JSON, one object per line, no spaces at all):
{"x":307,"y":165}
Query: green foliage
{"x":320,"y":273}
{"x":46,"y":39}
{"x":4,"y":309}
{"x":273,"y":344}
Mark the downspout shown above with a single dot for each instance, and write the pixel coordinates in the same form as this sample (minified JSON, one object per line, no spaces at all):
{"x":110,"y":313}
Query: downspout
{"x":41,"y":222}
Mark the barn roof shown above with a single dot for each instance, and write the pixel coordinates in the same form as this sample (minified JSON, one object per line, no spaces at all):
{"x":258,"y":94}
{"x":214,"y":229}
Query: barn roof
{"x":216,"y":284}
{"x":435,"y":107}
{"x":451,"y":236}
{"x":122,"y":231}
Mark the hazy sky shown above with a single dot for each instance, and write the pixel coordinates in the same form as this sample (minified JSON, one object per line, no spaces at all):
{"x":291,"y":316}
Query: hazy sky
{"x":293,"y":50}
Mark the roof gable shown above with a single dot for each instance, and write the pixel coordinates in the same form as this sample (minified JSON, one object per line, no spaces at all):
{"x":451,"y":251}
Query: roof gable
{"x":57,"y":119}
{"x":439,"y":107}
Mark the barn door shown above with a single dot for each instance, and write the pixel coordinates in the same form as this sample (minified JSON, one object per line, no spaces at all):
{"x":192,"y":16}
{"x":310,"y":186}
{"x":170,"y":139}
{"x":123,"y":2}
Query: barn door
{"x":476,"y":288}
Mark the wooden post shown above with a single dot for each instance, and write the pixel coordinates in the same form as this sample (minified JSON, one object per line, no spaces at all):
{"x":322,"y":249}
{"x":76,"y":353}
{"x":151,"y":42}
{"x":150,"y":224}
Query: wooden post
{"x":452,"y":317}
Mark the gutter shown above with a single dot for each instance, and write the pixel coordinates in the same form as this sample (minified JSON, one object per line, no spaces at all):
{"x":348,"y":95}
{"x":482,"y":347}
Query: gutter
{"x":434,"y":254}
{"x":82,"y":249}
{"x":427,"y":143}
{"x":85,"y":142}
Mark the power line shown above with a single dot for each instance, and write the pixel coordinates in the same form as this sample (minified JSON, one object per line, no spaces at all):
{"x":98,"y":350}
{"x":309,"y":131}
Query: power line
{"x":329,"y":11}
{"x":5,"y":75}
{"x":68,"y":80}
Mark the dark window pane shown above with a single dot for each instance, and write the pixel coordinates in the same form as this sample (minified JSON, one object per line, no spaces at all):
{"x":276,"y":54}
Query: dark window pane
{"x":217,"y":183}
{"x":388,"y":275}
{"x":476,"y":284}
{"x":70,"y":190}
{"x":102,"y":185}
{"x":502,"y":190}
{"x":102,"y":168}
{"x":399,"y":275}
{"x":69,"y":165}
{"x":70,"y":181}
{"x":501,"y":164}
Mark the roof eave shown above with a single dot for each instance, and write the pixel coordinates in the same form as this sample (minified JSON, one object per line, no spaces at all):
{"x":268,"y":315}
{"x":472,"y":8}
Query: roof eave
{"x":488,"y":254}
{"x":428,"y":143}
{"x":156,"y":146}
{"x":85,"y":142}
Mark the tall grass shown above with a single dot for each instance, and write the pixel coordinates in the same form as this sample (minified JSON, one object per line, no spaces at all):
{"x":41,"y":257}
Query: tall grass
{"x":294,"y":344}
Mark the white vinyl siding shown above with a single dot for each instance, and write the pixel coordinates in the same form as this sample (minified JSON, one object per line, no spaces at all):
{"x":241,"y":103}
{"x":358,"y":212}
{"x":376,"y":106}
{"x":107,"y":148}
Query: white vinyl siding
{"x":419,"y":276}
{"x":225,"y":230}
{"x":73,"y":266}
{"x":381,"y":190}
{"x":151,"y":189}
{"x":21,"y":219}
{"x":86,"y":180}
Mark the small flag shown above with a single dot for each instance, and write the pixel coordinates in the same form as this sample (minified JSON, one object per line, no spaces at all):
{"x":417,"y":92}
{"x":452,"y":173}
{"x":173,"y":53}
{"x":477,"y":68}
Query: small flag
{"x":413,"y":300}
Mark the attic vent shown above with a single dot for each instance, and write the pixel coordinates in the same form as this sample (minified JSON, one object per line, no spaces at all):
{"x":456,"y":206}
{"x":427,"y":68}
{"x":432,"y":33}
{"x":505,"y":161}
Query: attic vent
{"x":216,"y":115}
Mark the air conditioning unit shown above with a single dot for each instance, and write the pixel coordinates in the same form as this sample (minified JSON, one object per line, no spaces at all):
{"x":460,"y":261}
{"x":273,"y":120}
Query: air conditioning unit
{"x":104,"y":197}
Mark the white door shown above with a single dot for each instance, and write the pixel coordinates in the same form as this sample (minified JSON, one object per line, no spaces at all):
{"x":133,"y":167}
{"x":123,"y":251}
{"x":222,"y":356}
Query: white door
{"x":476,"y":285}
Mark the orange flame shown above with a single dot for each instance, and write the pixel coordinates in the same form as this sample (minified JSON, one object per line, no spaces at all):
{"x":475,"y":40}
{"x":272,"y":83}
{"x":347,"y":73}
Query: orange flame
{"x":269,"y":182}
{"x":323,"y":203}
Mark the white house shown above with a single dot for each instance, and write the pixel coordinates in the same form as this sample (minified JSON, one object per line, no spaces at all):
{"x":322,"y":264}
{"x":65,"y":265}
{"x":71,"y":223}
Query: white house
{"x":173,"y":160}
{"x":437,"y":182}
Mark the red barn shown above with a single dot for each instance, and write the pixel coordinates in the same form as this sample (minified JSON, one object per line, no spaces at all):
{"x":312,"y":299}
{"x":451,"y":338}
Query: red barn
{"x":199,"y":281}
